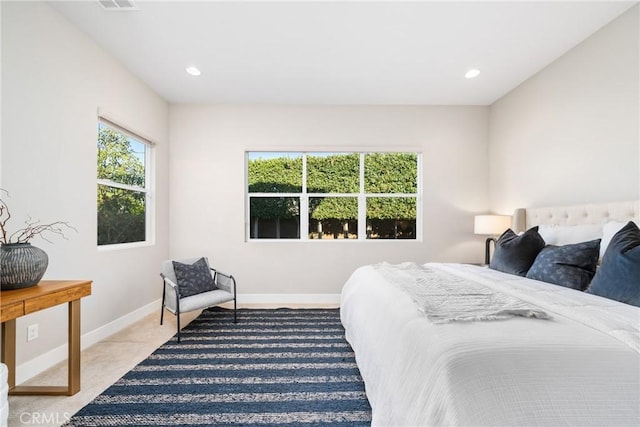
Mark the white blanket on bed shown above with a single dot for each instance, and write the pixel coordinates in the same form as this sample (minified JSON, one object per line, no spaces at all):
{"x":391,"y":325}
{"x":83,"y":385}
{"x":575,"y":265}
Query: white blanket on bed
{"x":579,"y":368}
{"x":444,"y":297}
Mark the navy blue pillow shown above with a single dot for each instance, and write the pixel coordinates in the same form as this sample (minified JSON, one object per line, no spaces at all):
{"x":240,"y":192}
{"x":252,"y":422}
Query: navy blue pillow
{"x":515,"y":254}
{"x":618,"y":277}
{"x":193,"y":278}
{"x":572,"y":266}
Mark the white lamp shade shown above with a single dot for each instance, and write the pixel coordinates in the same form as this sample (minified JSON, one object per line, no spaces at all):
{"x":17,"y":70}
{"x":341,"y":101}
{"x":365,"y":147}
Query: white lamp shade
{"x":491,"y":224}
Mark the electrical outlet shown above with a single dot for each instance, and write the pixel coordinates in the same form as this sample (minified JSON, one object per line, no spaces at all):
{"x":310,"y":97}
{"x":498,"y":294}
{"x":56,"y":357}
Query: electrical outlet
{"x":32,"y":332}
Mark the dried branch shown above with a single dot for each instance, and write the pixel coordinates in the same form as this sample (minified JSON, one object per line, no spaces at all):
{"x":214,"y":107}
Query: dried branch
{"x":5,"y":216}
{"x":32,"y":229}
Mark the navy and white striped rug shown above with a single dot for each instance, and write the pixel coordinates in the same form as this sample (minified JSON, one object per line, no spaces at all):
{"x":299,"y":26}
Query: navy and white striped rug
{"x":274,"y":367}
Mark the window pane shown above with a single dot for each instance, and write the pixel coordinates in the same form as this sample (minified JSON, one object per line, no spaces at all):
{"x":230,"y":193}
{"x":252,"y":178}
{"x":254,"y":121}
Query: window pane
{"x":120,"y":158}
{"x":333,"y":217}
{"x":333,"y":173}
{"x":391,"y":173}
{"x":391,"y":217}
{"x":275,"y":217}
{"x":121,"y":216}
{"x":271,"y":172}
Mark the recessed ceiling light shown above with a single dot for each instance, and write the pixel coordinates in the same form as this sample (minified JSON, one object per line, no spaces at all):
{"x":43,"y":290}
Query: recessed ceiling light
{"x":193,"y":71}
{"x":472,"y":73}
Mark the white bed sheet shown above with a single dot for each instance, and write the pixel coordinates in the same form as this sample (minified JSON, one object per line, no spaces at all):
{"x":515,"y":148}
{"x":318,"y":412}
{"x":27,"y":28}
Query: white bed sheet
{"x":580,"y":368}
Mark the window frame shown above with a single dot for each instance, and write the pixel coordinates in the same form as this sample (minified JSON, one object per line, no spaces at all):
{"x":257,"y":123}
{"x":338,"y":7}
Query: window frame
{"x":361,"y":196}
{"x":148,"y":190}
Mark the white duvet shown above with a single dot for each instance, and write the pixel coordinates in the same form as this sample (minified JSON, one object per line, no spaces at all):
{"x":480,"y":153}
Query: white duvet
{"x":580,"y":368}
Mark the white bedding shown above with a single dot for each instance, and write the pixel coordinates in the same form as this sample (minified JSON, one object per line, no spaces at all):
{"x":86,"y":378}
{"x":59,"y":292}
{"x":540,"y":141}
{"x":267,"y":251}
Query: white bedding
{"x":582,"y":367}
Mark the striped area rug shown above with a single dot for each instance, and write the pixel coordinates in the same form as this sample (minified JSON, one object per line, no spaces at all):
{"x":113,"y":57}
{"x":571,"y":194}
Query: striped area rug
{"x":275,"y":367}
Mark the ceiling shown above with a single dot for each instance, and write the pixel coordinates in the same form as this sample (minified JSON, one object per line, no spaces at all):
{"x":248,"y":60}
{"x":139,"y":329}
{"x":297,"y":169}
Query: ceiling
{"x":338,"y":52}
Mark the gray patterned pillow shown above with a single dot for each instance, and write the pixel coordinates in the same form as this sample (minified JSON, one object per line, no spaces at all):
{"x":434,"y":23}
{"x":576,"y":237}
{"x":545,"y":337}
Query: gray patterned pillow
{"x":193,"y":278}
{"x":572,"y":266}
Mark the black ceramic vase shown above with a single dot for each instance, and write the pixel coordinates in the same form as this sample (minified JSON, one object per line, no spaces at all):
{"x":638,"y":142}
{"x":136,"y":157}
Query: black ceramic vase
{"x":21,"y":265}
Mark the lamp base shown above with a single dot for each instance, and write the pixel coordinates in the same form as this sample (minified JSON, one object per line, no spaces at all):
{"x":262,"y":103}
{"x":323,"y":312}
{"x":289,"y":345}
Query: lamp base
{"x":487,"y":250}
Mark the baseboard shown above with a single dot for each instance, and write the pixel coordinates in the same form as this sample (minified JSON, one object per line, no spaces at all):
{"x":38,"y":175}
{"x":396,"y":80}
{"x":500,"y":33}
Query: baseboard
{"x":288,"y":299}
{"x":41,"y":363}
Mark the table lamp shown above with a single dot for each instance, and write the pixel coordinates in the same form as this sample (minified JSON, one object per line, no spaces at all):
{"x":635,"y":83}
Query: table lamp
{"x":492,"y":225}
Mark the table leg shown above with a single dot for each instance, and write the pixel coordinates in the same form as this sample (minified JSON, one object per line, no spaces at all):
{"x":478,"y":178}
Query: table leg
{"x":74,"y":347}
{"x":73,"y":375}
{"x":8,"y":353}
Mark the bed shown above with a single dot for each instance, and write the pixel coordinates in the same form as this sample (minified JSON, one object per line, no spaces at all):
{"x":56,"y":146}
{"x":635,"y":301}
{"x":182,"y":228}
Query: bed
{"x":574,"y":359}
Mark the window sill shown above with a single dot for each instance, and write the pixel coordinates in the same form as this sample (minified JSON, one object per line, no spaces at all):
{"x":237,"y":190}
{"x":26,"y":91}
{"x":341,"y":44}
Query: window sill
{"x":124,"y":246}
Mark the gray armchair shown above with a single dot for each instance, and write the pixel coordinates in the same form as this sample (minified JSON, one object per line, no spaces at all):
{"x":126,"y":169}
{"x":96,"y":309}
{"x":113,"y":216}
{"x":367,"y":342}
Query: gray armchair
{"x":178,"y":298}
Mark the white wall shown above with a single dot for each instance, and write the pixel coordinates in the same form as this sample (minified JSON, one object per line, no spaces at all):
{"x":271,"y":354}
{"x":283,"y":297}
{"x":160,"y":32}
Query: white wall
{"x":207,"y":186}
{"x":570,"y":134}
{"x":53,"y":81}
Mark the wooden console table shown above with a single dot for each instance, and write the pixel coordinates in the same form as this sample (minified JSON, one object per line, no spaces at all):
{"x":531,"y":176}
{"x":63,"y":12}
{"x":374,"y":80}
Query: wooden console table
{"x":19,"y":302}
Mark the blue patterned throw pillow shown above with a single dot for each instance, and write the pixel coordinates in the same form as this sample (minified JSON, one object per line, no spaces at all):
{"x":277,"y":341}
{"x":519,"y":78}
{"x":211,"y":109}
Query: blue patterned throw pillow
{"x":514,"y":253}
{"x":618,"y":277}
{"x":193,"y":278}
{"x":572,"y":266}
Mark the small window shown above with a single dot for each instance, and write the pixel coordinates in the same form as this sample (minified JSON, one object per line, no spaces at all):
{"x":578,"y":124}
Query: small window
{"x":332,"y":195}
{"x":124,"y":210}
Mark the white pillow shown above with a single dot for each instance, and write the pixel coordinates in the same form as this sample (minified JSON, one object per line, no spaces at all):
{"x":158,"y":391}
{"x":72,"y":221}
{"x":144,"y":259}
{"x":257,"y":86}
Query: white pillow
{"x":609,"y":229}
{"x":559,"y":235}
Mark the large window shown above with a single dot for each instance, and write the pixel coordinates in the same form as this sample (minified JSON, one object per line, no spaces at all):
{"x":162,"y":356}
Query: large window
{"x":329,"y":196}
{"x":124,"y":210}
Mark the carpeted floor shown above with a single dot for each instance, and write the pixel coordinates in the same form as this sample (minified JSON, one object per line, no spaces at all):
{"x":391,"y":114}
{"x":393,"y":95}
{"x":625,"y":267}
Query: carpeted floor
{"x":275,"y":367}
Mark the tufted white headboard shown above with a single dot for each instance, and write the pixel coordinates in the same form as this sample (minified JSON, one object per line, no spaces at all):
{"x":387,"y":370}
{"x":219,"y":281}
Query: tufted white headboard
{"x":596,"y":213}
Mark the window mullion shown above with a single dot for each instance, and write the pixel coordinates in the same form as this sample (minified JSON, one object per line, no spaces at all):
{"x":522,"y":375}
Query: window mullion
{"x":362,"y":203}
{"x":110,"y":183}
{"x":304,"y":202}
